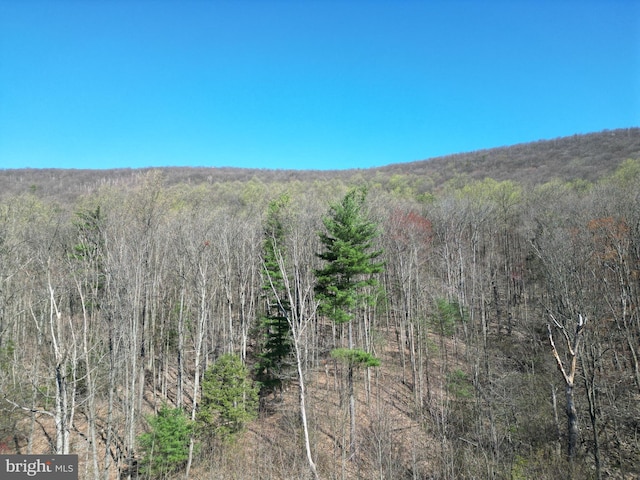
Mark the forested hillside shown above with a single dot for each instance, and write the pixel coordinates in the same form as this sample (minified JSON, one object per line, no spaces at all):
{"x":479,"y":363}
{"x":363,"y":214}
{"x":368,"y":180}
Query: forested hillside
{"x":580,"y":157}
{"x":474,"y":316}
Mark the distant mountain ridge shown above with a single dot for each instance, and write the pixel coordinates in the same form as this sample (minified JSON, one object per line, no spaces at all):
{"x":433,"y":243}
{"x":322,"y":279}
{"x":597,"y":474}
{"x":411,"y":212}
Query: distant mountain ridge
{"x":587,"y":157}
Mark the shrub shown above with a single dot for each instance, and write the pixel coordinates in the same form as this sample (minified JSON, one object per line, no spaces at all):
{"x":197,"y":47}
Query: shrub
{"x":229,"y":398}
{"x":166,"y":445}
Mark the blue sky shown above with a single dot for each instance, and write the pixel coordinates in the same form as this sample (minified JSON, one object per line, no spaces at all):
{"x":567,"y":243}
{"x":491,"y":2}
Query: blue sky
{"x":306,"y":84}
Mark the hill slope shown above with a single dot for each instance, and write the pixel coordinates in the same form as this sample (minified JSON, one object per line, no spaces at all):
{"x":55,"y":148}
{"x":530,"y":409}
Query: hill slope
{"x":117,"y":303}
{"x":586,"y":157}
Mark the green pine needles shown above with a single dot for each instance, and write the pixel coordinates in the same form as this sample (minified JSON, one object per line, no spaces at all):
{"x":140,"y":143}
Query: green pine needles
{"x":350,"y":258}
{"x":274,"y":349}
{"x":447,"y":315}
{"x":166,"y":446}
{"x":355,"y":357}
{"x":345,"y":285}
{"x":229,"y":398}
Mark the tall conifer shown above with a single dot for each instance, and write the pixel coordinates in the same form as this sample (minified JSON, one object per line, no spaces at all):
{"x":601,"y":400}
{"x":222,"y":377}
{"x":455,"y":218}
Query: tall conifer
{"x":350,"y":260}
{"x":350,"y":265}
{"x":274,"y":341}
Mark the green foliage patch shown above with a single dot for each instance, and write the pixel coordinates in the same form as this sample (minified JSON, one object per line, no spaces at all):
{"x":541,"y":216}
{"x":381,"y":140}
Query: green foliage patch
{"x":274,"y":333}
{"x":349,"y":256}
{"x":459,"y":385}
{"x":355,"y":357}
{"x":448,"y":313}
{"x":229,"y":398}
{"x":166,"y":446}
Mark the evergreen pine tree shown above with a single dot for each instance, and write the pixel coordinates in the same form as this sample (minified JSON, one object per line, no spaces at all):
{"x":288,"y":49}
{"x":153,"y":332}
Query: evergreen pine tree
{"x":166,"y":445}
{"x":350,"y":262}
{"x":350,"y":266}
{"x":275,"y":335}
{"x":229,"y":398}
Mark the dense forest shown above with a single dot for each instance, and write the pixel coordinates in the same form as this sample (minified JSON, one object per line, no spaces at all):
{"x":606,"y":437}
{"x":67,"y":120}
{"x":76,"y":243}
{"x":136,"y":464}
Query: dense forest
{"x":474,"y":316}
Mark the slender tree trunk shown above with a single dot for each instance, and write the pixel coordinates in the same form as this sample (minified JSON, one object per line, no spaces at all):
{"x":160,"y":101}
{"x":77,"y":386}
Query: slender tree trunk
{"x":63,"y":413}
{"x":353,"y":445}
{"x":198,"y":353}
{"x":352,"y":413}
{"x":302,"y":310}
{"x":62,"y":428}
{"x":180,"y":379}
{"x":303,"y":409}
{"x":572,"y":421}
{"x":568,"y":375}
{"x":110,"y":401}
{"x":634,"y":360}
{"x":91,"y":403}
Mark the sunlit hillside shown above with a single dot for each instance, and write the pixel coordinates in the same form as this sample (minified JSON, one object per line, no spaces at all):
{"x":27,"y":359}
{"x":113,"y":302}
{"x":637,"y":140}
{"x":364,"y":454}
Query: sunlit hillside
{"x":580,"y":157}
{"x":472,"y":316}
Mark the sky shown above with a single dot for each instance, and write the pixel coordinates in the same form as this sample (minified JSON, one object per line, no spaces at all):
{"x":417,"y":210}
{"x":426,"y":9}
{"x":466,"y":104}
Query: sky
{"x":302,"y":84}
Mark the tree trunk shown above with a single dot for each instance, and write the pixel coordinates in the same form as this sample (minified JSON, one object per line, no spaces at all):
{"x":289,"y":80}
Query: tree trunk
{"x":568,"y":375}
{"x":353,"y":446}
{"x":352,"y":413}
{"x":572,"y":422}
{"x":91,"y":402}
{"x":303,"y":409}
{"x":63,"y":415}
{"x":198,"y":354}
{"x":180,"y":380}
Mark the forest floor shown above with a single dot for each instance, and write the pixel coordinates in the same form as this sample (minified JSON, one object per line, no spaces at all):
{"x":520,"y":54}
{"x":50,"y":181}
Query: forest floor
{"x":392,"y":438}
